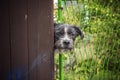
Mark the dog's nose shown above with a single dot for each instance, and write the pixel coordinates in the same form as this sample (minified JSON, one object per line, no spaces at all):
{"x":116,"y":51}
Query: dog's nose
{"x":66,"y":42}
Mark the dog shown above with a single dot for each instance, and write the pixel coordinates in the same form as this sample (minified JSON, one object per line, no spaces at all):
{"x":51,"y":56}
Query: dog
{"x":65,"y":35}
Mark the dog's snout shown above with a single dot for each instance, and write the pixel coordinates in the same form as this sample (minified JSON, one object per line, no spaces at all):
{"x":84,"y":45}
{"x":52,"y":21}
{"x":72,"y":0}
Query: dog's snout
{"x":66,"y":42}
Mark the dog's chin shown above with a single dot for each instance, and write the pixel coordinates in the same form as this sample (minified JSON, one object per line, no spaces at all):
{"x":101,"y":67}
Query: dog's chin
{"x":64,"y":49}
{"x":67,"y":48}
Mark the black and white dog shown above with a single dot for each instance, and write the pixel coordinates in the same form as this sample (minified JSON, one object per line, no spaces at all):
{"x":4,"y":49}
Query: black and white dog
{"x":65,"y":35}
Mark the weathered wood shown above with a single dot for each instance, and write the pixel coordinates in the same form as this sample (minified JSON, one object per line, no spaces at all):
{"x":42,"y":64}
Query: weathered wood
{"x":27,"y":40}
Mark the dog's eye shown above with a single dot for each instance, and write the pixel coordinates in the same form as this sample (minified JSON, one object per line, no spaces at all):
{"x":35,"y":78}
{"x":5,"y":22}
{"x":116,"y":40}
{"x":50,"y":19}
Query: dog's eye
{"x":70,"y":33}
{"x":60,"y":33}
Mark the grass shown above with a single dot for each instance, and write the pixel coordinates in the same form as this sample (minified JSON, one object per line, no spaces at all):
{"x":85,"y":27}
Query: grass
{"x":97,"y":56}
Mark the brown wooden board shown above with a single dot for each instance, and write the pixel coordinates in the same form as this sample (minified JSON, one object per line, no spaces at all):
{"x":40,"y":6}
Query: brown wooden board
{"x":45,"y":39}
{"x":27,"y":40}
{"x":40,"y":39}
{"x":19,"y":44}
{"x":33,"y":43}
{"x":4,"y":40}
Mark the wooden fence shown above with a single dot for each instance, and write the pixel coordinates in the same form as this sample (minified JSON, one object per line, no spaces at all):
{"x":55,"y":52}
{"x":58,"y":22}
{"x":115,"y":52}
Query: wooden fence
{"x":26,"y":40}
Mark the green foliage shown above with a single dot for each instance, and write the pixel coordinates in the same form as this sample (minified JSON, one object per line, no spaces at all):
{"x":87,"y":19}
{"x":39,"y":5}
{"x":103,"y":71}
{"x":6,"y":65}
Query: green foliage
{"x":98,"y":56}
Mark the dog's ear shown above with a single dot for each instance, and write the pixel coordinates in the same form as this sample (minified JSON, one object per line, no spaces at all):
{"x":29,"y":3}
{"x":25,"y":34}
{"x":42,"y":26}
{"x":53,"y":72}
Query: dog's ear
{"x":78,"y":32}
{"x":55,"y":24}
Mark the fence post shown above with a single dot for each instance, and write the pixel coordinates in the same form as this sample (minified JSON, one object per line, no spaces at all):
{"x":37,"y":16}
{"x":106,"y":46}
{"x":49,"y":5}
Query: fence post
{"x":60,"y":55}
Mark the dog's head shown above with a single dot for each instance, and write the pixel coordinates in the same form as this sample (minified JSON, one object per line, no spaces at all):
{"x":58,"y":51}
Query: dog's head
{"x":65,"y":36}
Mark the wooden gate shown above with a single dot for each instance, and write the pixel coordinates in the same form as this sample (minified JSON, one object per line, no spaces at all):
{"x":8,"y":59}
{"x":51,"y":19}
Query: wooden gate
{"x":26,"y":40}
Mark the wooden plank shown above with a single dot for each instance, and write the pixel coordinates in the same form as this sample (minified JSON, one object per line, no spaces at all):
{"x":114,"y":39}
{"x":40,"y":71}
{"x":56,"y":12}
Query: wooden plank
{"x":19,"y":46}
{"x":26,"y":28}
{"x":40,"y":39}
{"x":45,"y":31}
{"x":33,"y":43}
{"x":4,"y":40}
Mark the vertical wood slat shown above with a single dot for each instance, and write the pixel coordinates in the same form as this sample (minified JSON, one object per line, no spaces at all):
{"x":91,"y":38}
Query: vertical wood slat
{"x":32,"y":23}
{"x":45,"y":48}
{"x":4,"y":40}
{"x":27,"y":40}
{"x":45,"y":42}
{"x":40,"y":39}
{"x":19,"y":46}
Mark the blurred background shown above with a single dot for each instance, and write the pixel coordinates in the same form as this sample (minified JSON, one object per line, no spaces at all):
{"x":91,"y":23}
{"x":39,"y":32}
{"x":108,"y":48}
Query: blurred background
{"x":97,"y":57}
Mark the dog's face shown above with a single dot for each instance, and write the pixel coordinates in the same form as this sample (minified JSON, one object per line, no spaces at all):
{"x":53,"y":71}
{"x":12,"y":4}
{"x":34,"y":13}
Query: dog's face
{"x":65,"y":35}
